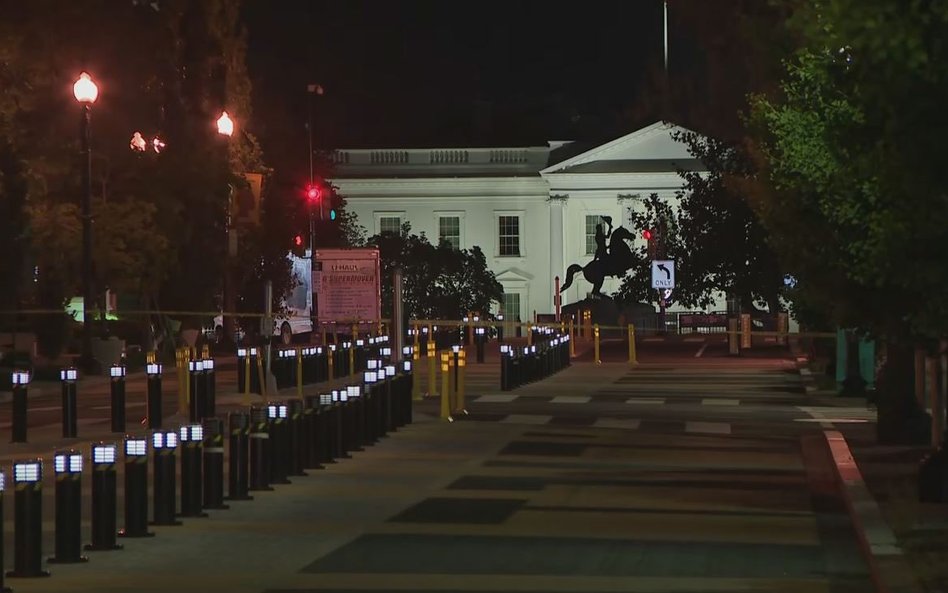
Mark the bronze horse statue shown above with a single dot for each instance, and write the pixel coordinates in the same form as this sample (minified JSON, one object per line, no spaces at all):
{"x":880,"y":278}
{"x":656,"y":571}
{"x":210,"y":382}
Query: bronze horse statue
{"x":613,"y":262}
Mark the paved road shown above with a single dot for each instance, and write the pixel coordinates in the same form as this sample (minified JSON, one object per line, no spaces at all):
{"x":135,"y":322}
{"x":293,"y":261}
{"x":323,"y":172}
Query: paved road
{"x":682,"y":475}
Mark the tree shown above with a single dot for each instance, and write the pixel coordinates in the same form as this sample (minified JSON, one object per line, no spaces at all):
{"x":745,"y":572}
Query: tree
{"x":853,"y":147}
{"x":440,"y":282}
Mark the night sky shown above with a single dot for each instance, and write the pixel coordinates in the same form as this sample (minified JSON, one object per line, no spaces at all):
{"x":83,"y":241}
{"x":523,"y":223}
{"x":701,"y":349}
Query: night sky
{"x":423,"y":73}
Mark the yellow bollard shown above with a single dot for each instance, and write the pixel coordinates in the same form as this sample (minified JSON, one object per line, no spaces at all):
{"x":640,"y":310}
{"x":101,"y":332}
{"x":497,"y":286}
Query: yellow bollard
{"x":596,"y":343}
{"x":352,"y":359}
{"x":432,"y":368}
{"x":299,"y":373}
{"x":445,"y":386}
{"x":417,"y":331}
{"x":355,"y":332}
{"x":151,"y":357}
{"x":529,"y":335}
{"x":322,"y":337}
{"x":459,"y":388}
{"x":632,"y":357}
{"x":330,"y":359}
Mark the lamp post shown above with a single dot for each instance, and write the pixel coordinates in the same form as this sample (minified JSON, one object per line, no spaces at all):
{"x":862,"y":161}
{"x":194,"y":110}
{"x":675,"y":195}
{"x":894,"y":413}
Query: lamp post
{"x":225,"y":127}
{"x":86,"y":93}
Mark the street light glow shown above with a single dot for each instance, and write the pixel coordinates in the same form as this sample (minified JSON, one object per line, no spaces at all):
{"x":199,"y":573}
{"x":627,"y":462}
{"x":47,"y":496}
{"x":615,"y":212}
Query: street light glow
{"x":225,"y":125}
{"x":85,"y":90}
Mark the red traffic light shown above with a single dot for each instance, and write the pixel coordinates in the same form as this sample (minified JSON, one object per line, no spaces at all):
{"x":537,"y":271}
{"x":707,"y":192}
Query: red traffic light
{"x":313,"y":193}
{"x":298,"y":240}
{"x":647,"y":235}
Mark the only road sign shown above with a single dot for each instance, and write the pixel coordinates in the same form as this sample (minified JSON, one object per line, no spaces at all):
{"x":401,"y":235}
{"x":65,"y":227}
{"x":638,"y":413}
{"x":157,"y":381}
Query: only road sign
{"x":663,"y":273}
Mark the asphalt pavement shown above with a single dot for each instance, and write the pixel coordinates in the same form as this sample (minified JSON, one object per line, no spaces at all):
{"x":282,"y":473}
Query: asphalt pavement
{"x":683,"y":473}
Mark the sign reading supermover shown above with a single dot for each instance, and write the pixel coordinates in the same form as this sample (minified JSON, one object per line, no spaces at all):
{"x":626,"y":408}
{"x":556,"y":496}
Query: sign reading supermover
{"x":346,"y":285}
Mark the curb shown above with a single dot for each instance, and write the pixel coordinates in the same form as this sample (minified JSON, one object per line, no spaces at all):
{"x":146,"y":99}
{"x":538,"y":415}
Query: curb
{"x":888,"y":567}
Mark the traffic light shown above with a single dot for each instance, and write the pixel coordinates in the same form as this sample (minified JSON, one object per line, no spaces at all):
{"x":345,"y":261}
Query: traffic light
{"x":299,"y":245}
{"x":649,"y":236}
{"x":332,"y":214}
{"x":313,"y":193}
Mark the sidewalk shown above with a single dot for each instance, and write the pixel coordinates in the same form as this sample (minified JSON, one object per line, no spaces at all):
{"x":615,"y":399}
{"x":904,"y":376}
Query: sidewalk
{"x":904,"y":541}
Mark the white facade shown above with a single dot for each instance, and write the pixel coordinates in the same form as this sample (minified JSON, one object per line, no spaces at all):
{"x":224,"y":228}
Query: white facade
{"x":537,"y":197}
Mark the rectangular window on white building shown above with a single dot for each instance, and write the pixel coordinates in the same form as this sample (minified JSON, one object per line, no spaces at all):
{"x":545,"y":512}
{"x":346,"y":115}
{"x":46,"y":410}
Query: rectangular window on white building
{"x":510,"y":307}
{"x":508,"y":237}
{"x":591,"y":222}
{"x":449,"y":229}
{"x":390,"y":224}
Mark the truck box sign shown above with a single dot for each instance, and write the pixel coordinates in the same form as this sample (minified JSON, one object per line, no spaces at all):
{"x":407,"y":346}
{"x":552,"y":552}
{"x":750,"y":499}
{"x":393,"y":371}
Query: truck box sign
{"x":346,"y":285}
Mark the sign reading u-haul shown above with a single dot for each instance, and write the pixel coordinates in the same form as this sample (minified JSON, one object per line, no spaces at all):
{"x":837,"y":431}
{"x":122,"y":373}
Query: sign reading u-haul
{"x":346,"y":285}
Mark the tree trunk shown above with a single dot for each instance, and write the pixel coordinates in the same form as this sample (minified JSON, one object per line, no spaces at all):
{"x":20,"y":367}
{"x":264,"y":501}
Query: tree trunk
{"x":900,"y":419}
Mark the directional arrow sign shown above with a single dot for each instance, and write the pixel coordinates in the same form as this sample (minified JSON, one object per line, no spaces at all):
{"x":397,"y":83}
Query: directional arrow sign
{"x":663,"y":273}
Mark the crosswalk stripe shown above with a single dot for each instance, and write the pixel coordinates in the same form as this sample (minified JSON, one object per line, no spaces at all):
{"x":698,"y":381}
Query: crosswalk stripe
{"x":624,"y":423}
{"x":708,"y":427}
{"x":720,"y":401}
{"x":570,"y":399}
{"x":496,"y":398}
{"x":655,"y":401}
{"x":527,"y":419}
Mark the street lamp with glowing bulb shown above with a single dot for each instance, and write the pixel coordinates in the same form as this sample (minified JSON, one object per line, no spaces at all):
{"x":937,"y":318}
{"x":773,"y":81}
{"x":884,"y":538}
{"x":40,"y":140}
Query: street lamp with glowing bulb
{"x":86,"y":93}
{"x":225,"y":125}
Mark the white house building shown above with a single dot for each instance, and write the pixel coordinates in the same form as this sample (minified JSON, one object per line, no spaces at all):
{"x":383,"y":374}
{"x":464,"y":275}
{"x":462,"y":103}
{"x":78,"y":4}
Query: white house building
{"x":533,"y":210}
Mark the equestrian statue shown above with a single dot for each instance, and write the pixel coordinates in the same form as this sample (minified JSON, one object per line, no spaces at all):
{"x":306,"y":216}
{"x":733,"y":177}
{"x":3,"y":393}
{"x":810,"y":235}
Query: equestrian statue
{"x":613,"y":260}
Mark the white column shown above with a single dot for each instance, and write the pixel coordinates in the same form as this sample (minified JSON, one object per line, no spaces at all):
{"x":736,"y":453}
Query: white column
{"x":557,"y":250}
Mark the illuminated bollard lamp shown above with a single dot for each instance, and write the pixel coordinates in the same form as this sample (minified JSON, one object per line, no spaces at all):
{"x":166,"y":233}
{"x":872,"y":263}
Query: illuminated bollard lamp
{"x":196,"y":390}
{"x":104,"y":500}
{"x":70,"y":423}
{"x":117,"y":390}
{"x":28,"y":519}
{"x":3,"y":485}
{"x":136,"y":488}
{"x":210,"y":389}
{"x":67,"y":466}
{"x":153,"y":395}
{"x":21,"y":383}
{"x":214,"y":464}
{"x":238,"y":425}
{"x":296,"y":436}
{"x":279,"y":442}
{"x":259,"y":440}
{"x":191,"y":438}
{"x":165,"y":445}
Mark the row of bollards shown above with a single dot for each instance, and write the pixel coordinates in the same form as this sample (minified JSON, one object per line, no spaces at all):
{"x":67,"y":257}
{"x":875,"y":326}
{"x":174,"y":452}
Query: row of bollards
{"x":519,"y":366}
{"x":202,"y":395}
{"x":267,"y":446}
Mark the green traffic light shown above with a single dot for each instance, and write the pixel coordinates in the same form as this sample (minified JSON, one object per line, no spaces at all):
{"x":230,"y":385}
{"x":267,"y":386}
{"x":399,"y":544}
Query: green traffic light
{"x":332,"y":214}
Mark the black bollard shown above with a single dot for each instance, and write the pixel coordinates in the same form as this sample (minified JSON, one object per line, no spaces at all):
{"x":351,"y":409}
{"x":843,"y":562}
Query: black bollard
{"x":153,"y":396}
{"x":259,"y":441}
{"x":70,"y":423}
{"x":192,"y":439}
{"x":279,"y":442}
{"x":407,"y":415}
{"x":238,"y":424}
{"x":326,"y":430}
{"x":28,"y":519}
{"x":136,"y":488}
{"x":356,"y":426}
{"x":210,"y":389}
{"x":3,"y":484}
{"x":340,"y":399}
{"x":21,"y":382}
{"x":104,"y":499}
{"x":117,"y":389}
{"x":165,"y":505}
{"x":296,"y":437}
{"x":388,"y":407}
{"x":214,"y":464}
{"x":480,"y":336}
{"x":312,"y":416}
{"x":195,"y":390}
{"x":368,"y":400}
{"x":67,"y":466}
